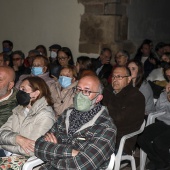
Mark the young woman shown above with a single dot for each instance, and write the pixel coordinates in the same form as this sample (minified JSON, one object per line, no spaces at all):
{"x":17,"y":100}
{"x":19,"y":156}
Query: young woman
{"x":64,"y":89}
{"x":32,"y":118}
{"x":137,"y":73}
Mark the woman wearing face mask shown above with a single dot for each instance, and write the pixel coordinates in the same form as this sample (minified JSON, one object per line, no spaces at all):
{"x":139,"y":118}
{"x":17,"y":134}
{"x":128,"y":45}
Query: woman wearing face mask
{"x":40,"y":69}
{"x":137,"y":73}
{"x":32,"y":118}
{"x":64,"y":89}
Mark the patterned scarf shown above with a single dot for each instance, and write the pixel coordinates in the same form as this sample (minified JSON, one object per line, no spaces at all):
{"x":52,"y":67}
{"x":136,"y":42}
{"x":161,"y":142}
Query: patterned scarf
{"x":78,"y":119}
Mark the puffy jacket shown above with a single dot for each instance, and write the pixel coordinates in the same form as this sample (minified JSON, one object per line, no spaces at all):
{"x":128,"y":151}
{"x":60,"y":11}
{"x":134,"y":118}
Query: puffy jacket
{"x":36,"y":123}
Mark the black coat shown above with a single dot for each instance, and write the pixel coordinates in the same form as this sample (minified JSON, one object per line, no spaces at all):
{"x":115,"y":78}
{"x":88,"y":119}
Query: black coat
{"x":127,"y":108}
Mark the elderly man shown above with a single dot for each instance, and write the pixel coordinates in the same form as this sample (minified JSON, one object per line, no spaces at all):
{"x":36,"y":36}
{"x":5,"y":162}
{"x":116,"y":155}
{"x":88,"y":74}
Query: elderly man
{"x":7,"y":93}
{"x":102,"y":65}
{"x":83,"y":136}
{"x":126,"y":106}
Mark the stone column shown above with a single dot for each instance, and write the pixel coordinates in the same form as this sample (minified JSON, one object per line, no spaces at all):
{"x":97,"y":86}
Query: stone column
{"x":104,"y":24}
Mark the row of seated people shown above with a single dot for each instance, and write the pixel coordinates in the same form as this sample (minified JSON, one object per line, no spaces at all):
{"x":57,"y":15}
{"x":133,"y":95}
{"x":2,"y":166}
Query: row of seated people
{"x":78,"y":128}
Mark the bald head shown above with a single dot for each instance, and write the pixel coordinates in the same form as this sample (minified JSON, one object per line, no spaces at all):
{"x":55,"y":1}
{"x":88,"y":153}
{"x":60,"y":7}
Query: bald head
{"x":8,"y":71}
{"x":7,"y":77}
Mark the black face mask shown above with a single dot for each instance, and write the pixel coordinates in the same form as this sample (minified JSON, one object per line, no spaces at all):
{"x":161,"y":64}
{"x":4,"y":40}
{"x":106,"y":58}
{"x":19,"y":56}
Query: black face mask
{"x":23,"y":98}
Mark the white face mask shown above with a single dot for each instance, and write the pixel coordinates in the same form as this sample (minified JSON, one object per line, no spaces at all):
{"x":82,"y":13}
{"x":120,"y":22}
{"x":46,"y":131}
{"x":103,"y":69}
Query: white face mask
{"x":53,"y":54}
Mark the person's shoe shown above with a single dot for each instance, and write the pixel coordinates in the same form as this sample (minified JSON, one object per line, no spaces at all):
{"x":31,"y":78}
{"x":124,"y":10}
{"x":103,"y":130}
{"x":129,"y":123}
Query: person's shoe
{"x":150,"y":166}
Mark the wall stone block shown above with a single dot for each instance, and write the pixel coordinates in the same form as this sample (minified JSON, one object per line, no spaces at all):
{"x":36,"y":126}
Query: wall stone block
{"x":115,"y":9}
{"x":98,"y":1}
{"x":89,"y":48}
{"x":96,"y":9}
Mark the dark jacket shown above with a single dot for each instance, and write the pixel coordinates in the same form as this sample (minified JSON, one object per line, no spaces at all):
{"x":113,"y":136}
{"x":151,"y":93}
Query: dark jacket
{"x":105,"y":71}
{"x":7,"y":106}
{"x":127,"y":108}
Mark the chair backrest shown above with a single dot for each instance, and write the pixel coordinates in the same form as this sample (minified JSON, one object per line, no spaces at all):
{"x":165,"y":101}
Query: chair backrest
{"x":119,"y":155}
{"x":112,"y":162}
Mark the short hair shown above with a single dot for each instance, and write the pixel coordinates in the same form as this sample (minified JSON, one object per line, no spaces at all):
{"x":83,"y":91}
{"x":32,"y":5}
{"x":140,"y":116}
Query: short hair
{"x":72,"y":69}
{"x":68,"y":52}
{"x":159,"y":46}
{"x":37,"y":83}
{"x":128,"y":72}
{"x":106,"y":49}
{"x":125,"y":53}
{"x":36,"y":52}
{"x":20,"y":53}
{"x":46,"y":61}
{"x":9,"y":70}
{"x":9,"y":42}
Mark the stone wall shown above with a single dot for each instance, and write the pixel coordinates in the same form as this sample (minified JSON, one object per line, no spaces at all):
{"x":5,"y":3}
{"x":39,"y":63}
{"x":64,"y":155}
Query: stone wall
{"x":104,"y":24}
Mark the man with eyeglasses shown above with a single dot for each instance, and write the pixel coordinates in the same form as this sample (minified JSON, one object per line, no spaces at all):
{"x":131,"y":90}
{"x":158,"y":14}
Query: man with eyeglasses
{"x":83,"y":137}
{"x":126,"y":105}
{"x":18,"y":64}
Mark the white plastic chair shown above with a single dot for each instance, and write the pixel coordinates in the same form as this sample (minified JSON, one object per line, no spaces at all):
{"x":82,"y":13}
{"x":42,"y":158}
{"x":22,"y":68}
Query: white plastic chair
{"x":151,"y":119}
{"x":120,"y":157}
{"x":34,"y":161}
{"x":31,"y":163}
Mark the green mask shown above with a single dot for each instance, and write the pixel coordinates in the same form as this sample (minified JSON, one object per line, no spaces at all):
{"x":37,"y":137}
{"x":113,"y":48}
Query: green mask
{"x":82,"y":103}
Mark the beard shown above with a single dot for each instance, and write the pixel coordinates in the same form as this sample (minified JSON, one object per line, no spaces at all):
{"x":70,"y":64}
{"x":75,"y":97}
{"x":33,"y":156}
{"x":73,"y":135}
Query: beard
{"x":3,"y":91}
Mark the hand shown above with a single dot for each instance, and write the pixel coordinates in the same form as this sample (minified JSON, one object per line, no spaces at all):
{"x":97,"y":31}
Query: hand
{"x":26,"y":144}
{"x":151,"y":60}
{"x":75,"y":152}
{"x":49,"y":137}
{"x":15,"y":67}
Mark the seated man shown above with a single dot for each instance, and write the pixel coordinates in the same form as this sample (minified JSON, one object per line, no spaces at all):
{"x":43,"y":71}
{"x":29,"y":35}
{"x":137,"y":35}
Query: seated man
{"x":83,"y":136}
{"x":7,"y":93}
{"x":126,"y":106}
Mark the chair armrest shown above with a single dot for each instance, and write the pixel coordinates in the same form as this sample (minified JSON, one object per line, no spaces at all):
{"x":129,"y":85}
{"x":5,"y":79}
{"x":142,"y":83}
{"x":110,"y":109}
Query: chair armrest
{"x":31,"y":163}
{"x":153,"y":116}
{"x":123,"y":139}
{"x":111,"y":163}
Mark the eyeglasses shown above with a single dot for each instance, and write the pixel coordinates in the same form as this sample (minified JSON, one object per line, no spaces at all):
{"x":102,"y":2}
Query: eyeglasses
{"x":62,"y":58}
{"x":16,"y":59}
{"x":118,"y":77}
{"x":84,"y":92}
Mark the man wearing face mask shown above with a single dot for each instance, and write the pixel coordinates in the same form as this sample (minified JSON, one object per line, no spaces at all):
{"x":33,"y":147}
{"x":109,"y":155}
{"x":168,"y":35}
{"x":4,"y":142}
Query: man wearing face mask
{"x":7,"y":93}
{"x":84,"y":136}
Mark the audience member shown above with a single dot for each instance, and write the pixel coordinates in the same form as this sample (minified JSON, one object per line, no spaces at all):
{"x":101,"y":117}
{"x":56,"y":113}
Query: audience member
{"x":4,"y":59}
{"x":126,"y":105}
{"x":145,"y":55}
{"x":18,"y":64}
{"x":31,"y":55}
{"x":65,"y":58}
{"x":122,"y":57}
{"x":54,"y":64}
{"x":84,"y":136}
{"x":83,"y":64}
{"x":102,"y":65}
{"x":155,"y":138}
{"x":53,"y":53}
{"x":64,"y":89}
{"x":42,"y":50}
{"x":7,"y":93}
{"x":32,"y":118}
{"x":167,"y":48}
{"x":7,"y":46}
{"x":159,"y":50}
{"x":137,"y":74}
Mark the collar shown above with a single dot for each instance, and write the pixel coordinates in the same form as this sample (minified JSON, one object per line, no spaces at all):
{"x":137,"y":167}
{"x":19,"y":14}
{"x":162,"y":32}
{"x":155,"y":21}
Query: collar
{"x":7,"y":97}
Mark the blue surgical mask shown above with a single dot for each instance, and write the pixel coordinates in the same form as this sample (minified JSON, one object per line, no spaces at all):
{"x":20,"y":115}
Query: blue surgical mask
{"x":37,"y":70}
{"x":6,"y":50}
{"x":64,"y":81}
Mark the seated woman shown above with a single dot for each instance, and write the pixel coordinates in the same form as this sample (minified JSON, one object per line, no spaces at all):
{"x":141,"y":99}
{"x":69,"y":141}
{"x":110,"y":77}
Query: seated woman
{"x":155,"y":139}
{"x":65,"y":58}
{"x":32,"y":118}
{"x":64,"y":89}
{"x":137,"y":73}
